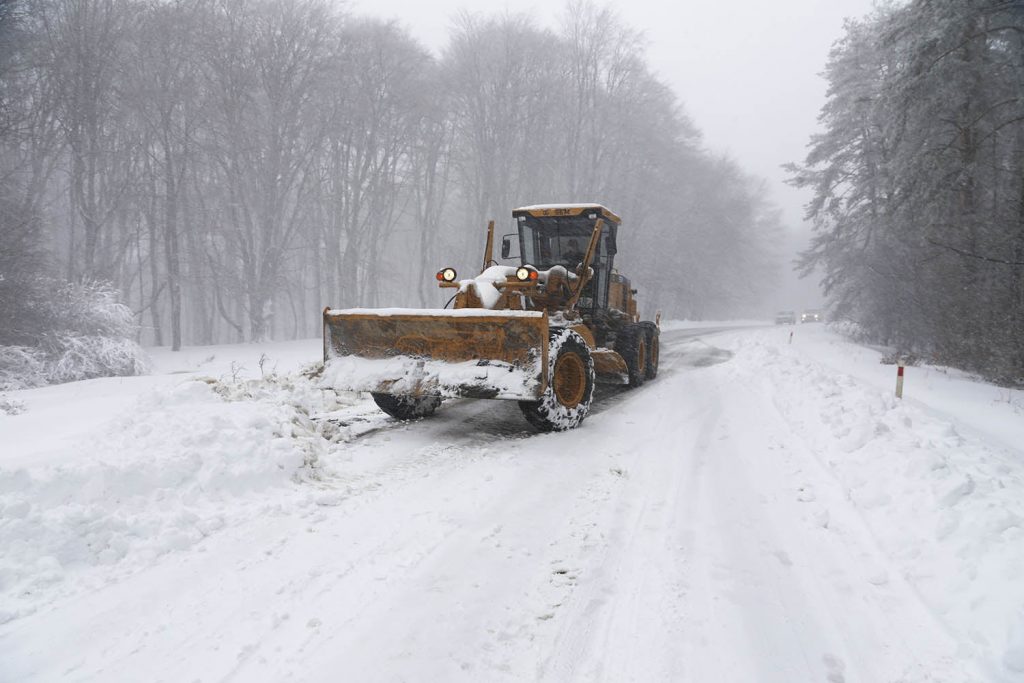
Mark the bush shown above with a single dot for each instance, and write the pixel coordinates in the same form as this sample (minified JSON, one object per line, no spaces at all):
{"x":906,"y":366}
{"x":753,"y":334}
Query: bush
{"x":93,"y":309}
{"x":72,"y":358}
{"x":851,"y":330}
{"x":86,"y":333}
{"x":21,"y":367}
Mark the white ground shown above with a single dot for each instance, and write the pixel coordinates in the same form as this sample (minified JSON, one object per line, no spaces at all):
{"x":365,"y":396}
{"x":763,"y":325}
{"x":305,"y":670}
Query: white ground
{"x":763,"y":511}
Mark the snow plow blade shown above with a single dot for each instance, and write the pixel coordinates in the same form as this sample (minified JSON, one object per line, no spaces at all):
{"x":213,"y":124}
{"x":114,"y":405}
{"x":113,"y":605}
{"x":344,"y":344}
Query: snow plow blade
{"x":461,"y":353}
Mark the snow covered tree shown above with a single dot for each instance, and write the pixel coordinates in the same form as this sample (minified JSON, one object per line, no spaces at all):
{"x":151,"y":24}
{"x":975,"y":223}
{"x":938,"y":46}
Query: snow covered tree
{"x":919,"y":181}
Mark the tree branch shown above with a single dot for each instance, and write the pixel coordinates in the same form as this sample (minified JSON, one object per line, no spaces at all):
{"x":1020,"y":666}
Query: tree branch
{"x":980,"y":257}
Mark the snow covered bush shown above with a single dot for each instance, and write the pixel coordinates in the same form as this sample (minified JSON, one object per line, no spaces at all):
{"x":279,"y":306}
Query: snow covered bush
{"x":853,"y":331}
{"x":81,"y":357}
{"x":75,"y":331}
{"x":93,"y":309}
{"x":21,"y":367}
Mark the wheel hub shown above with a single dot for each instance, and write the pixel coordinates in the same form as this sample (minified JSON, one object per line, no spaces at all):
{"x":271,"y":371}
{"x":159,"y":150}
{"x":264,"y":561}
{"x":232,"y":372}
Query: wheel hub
{"x":570,"y":380}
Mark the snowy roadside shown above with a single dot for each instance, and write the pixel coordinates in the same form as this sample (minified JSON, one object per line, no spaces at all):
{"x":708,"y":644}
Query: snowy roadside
{"x":99,"y":479}
{"x":752,"y":466}
{"x":944,"y":501}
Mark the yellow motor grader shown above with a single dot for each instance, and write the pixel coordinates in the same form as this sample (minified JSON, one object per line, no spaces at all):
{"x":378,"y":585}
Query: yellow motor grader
{"x":541,"y":333}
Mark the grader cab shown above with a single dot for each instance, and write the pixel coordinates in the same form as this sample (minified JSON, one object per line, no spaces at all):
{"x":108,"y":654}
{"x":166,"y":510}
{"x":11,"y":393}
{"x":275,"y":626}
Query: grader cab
{"x":542,"y":333}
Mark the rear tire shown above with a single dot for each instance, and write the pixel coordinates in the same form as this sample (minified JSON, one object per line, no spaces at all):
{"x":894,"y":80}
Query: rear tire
{"x":406,"y":407}
{"x":653,"y":348}
{"x":631,"y":344}
{"x":570,"y":390}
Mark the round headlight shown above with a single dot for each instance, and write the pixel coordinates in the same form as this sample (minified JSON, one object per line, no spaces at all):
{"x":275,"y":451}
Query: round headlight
{"x":523,"y":273}
{"x":446,"y":274}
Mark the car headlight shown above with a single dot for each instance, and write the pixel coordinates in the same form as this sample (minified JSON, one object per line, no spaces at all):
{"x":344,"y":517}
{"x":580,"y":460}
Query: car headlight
{"x":446,"y":275}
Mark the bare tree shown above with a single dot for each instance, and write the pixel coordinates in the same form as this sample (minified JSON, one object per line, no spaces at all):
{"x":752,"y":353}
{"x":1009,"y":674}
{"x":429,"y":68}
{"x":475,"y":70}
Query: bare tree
{"x":506,"y":86}
{"x":84,"y":42}
{"x":163,"y":90}
{"x":267,"y":62}
{"x":376,"y":113}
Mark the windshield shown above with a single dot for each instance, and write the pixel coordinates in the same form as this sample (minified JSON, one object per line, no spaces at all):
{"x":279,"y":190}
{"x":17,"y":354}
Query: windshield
{"x":562,"y":241}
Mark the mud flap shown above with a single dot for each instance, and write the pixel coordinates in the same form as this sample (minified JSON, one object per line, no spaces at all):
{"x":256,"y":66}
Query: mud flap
{"x":467,"y":353}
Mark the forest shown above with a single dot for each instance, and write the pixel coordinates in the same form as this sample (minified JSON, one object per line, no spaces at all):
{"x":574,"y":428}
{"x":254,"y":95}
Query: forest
{"x":918,"y":182}
{"x":221,"y":170}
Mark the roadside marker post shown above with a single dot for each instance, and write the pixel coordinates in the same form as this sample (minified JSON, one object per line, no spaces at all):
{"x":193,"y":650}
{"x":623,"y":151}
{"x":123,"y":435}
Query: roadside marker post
{"x":790,"y":336}
{"x":899,"y":381}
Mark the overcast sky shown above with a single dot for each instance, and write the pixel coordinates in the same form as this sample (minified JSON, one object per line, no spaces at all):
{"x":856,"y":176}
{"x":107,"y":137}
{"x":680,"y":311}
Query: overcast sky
{"x":747,"y":71}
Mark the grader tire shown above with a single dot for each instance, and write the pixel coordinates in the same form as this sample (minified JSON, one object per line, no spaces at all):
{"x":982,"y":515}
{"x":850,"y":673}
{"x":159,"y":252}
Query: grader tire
{"x":653,"y":348}
{"x":631,"y":344}
{"x":406,"y":407}
{"x":570,"y":390}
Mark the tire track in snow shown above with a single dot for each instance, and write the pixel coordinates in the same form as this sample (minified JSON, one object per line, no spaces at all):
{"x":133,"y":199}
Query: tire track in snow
{"x":626,"y":622}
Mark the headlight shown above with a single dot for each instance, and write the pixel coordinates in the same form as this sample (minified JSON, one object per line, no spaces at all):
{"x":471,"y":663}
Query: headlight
{"x":446,"y":274}
{"x":524,"y":273}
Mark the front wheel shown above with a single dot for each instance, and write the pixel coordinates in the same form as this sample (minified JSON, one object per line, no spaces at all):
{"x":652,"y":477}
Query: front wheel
{"x":570,"y":390}
{"x":406,"y":407}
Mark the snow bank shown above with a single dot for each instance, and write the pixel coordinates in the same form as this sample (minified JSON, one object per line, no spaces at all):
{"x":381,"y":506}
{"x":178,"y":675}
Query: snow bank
{"x":946,"y":504}
{"x":183,"y":463}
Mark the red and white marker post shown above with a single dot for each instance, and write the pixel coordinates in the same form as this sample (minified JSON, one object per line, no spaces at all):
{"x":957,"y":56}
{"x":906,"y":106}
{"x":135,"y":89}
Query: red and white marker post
{"x":899,"y":380}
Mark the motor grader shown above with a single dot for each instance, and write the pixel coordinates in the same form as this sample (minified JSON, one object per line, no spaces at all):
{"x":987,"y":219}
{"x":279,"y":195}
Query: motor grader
{"x":541,"y":333}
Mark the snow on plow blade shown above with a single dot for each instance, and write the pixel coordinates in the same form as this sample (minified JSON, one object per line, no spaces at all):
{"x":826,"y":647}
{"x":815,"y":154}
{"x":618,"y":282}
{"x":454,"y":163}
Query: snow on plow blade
{"x":467,"y":352}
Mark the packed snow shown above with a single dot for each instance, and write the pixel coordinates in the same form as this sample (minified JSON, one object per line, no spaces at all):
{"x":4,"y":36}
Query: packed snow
{"x":416,"y":376}
{"x":764,"y":510}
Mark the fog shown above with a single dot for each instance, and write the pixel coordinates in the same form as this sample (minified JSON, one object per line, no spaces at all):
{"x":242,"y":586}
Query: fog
{"x":748,"y":72}
{"x":223,"y":169}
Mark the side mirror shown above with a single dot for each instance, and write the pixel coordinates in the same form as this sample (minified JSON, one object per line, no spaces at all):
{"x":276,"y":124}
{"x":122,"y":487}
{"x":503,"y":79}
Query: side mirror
{"x":506,"y":245}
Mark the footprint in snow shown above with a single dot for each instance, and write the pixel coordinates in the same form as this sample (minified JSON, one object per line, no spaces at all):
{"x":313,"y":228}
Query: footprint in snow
{"x":835,"y":668}
{"x":805,"y":494}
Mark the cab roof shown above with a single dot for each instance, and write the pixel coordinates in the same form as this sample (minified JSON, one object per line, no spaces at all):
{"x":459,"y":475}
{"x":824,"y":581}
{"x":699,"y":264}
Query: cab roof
{"x":548,"y":210}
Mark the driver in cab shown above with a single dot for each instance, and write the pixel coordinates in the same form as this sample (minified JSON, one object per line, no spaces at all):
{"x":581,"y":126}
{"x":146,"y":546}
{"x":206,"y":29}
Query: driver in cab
{"x":573,"y":254}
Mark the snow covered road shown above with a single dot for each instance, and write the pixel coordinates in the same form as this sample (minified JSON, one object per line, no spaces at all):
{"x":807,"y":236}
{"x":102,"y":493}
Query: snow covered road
{"x":760,"y":512}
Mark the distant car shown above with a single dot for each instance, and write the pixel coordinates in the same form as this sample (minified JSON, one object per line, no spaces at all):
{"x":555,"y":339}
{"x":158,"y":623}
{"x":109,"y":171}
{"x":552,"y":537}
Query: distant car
{"x":785,"y":318}
{"x":811,"y":315}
